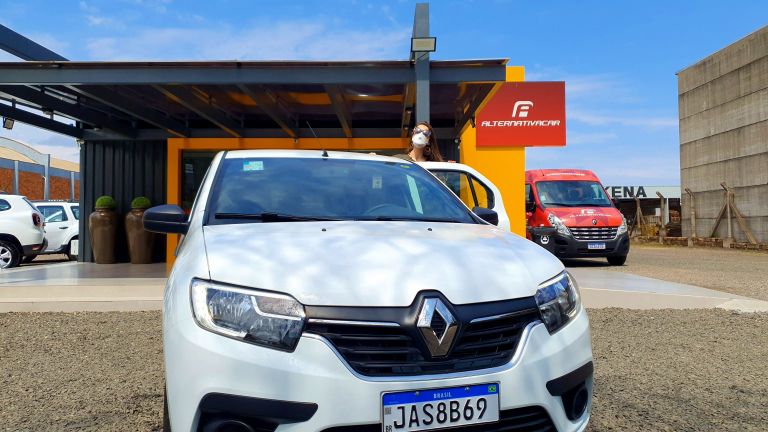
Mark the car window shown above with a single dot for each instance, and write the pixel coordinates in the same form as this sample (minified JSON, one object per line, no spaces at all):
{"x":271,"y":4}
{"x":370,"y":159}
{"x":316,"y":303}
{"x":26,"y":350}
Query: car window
{"x":572,"y":194}
{"x":483,"y":193}
{"x":458,"y":182}
{"x":344,"y":189}
{"x":528,"y":193}
{"x":4,"y":205}
{"x":75,"y":212}
{"x":52,"y":213}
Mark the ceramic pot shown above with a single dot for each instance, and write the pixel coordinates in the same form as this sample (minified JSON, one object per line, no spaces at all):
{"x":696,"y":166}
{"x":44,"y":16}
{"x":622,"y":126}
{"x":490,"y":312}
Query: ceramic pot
{"x":103,"y":227}
{"x":140,"y":241}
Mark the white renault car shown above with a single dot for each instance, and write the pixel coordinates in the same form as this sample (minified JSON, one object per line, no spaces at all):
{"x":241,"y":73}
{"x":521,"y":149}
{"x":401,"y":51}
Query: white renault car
{"x":21,"y":230}
{"x":61,"y":227}
{"x":342,"y":292}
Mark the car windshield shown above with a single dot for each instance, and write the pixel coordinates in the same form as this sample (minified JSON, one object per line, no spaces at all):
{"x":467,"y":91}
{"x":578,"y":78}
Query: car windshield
{"x":299,"y":189}
{"x":572,"y":194}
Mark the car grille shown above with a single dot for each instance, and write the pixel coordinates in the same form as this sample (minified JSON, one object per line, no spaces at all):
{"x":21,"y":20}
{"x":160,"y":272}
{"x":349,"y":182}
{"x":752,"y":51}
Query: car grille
{"x":397,"y":351}
{"x":528,"y":419}
{"x":594,"y":233}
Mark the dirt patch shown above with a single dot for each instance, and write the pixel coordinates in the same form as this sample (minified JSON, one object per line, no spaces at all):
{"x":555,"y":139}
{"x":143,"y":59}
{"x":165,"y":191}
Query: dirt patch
{"x":693,"y":370}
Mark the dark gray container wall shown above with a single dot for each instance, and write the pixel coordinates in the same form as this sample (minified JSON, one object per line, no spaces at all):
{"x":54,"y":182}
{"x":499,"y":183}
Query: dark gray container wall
{"x":124,"y":170}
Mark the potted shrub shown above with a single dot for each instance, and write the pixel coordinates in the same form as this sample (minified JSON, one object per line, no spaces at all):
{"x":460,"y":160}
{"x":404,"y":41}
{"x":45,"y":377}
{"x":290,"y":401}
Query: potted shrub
{"x":102,"y":225}
{"x":140,"y":241}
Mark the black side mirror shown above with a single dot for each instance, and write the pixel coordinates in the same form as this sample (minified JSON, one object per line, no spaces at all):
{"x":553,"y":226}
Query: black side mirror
{"x":487,"y":215}
{"x":530,"y":206}
{"x":166,"y":219}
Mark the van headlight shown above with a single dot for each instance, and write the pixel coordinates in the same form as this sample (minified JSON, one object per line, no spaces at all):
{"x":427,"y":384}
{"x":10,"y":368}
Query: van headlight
{"x":257,"y":317}
{"x":623,"y":227}
{"x":557,"y":223}
{"x":558,"y":301}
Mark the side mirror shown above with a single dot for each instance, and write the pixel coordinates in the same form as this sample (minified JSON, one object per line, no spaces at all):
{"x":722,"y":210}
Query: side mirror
{"x":166,"y":219}
{"x":530,"y":206}
{"x":487,"y":215}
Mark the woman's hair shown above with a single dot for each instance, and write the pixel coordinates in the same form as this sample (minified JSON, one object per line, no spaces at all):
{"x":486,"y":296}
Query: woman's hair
{"x":431,"y":151}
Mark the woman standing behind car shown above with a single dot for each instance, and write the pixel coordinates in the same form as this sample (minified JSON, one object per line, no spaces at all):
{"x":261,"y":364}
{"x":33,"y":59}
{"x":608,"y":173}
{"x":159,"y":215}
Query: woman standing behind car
{"x":423,"y":147}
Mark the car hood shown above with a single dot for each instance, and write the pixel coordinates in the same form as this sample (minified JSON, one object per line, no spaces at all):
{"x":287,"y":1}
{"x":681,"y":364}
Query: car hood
{"x":588,"y":216}
{"x":377,"y":263}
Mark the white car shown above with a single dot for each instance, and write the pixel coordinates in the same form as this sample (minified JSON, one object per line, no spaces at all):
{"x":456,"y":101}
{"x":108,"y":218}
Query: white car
{"x":61,"y":227}
{"x":21,"y":230}
{"x":343,"y":292}
{"x":473,"y":188}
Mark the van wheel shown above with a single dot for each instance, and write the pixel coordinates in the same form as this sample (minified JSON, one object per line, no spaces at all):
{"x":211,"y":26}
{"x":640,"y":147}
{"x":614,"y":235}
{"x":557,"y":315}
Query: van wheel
{"x":166,"y":419}
{"x":9,"y":255}
{"x":617,"y":260}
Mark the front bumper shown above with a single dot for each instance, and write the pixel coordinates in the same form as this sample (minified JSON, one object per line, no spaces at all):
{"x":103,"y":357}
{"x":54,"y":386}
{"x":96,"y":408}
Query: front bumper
{"x":199,"y":364}
{"x":567,"y":247}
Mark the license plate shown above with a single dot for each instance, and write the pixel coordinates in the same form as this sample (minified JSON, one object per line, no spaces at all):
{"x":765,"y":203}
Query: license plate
{"x":440,"y":408}
{"x":593,"y":246}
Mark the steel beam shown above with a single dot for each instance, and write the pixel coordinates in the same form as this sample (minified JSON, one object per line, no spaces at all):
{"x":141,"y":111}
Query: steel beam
{"x":135,"y":109}
{"x":339,"y":105}
{"x":188,"y":99}
{"x":39,"y":121}
{"x":25,"y":48}
{"x":271,"y":106}
{"x":40,"y":100}
{"x":157,"y":134}
{"x":421,"y":63}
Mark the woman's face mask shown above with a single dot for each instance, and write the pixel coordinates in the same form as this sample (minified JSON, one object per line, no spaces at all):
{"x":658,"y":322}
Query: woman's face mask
{"x":419,"y":140}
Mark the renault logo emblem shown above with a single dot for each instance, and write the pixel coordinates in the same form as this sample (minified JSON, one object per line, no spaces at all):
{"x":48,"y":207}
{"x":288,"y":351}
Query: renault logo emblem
{"x":437,"y":326}
{"x":594,"y":221}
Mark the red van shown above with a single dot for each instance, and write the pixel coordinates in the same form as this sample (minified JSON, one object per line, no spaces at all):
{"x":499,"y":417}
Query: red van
{"x":575,"y":204}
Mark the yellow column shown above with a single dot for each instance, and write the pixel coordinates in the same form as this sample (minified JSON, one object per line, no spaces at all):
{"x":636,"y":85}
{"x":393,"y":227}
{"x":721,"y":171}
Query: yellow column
{"x":505,"y":167}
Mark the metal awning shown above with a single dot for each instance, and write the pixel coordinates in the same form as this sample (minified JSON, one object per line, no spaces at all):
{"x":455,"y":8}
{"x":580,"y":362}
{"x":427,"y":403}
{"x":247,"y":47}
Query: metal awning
{"x":155,"y":100}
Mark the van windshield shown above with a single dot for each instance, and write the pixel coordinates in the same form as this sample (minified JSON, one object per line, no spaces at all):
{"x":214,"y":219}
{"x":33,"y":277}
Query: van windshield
{"x":572,"y":194}
{"x":305,"y":189}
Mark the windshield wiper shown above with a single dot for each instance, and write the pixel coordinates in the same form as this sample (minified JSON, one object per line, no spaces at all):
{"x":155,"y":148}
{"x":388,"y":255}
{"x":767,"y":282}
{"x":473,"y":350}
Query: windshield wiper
{"x":557,"y":204}
{"x":272,"y":217}
{"x":413,"y":219}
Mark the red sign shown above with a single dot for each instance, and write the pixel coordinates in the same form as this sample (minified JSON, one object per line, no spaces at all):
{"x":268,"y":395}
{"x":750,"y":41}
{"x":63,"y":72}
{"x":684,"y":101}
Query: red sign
{"x":523,"y":114}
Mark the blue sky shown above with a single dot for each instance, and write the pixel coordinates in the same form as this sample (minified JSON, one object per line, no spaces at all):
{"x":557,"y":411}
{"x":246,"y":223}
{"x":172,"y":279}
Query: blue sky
{"x":618,"y":58}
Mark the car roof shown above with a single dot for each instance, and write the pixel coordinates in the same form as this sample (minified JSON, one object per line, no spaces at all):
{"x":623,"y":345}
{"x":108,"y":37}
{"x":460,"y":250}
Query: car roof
{"x":310,"y":154}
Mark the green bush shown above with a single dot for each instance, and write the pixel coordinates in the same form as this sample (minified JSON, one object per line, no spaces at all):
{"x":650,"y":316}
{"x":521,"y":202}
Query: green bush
{"x":105,"y":202}
{"x":141,"y":203}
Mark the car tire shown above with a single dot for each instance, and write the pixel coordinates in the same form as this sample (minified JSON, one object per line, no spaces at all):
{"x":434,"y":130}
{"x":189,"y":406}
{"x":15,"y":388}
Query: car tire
{"x":69,"y":252}
{"x":617,"y":260}
{"x":166,"y":419}
{"x":10,"y":256}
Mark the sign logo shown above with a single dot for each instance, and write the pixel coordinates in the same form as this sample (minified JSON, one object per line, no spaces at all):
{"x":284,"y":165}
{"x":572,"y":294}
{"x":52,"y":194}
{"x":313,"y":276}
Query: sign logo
{"x":510,"y":120}
{"x":521,"y":109}
{"x":437,"y":326}
{"x":594,"y":221}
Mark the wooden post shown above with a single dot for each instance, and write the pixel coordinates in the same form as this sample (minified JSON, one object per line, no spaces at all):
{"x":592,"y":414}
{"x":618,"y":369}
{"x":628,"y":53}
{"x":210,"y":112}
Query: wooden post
{"x":639,"y":219}
{"x":730,"y":196}
{"x":662,"y":224}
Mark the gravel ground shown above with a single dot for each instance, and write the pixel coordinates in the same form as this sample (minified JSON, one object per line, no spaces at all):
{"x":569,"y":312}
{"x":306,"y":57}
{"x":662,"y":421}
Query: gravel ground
{"x":735,"y":271}
{"x":694,"y":370}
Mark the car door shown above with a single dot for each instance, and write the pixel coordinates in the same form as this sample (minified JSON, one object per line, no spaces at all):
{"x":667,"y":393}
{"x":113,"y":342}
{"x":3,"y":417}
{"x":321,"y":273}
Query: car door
{"x":57,"y":225}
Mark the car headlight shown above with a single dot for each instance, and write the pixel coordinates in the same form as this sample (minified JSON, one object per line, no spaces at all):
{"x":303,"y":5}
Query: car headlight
{"x":623,"y":227}
{"x":257,"y":317}
{"x":558,"y":301}
{"x":557,"y":223}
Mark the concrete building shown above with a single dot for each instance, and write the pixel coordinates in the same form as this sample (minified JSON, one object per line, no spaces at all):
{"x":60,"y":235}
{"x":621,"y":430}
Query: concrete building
{"x":26,"y":171}
{"x":723,"y":104}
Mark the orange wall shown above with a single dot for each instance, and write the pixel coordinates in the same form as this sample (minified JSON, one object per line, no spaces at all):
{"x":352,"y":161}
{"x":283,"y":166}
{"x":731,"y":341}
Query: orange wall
{"x":505,"y":167}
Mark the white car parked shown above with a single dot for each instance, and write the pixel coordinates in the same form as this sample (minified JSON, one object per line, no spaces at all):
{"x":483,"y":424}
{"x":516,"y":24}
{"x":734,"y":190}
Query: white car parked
{"x":473,"y":188}
{"x":61,"y":227}
{"x":343,"y":292}
{"x":21,"y":230}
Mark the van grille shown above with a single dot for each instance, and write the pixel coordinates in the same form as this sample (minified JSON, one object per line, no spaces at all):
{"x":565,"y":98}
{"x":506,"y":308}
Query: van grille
{"x":594,"y":233}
